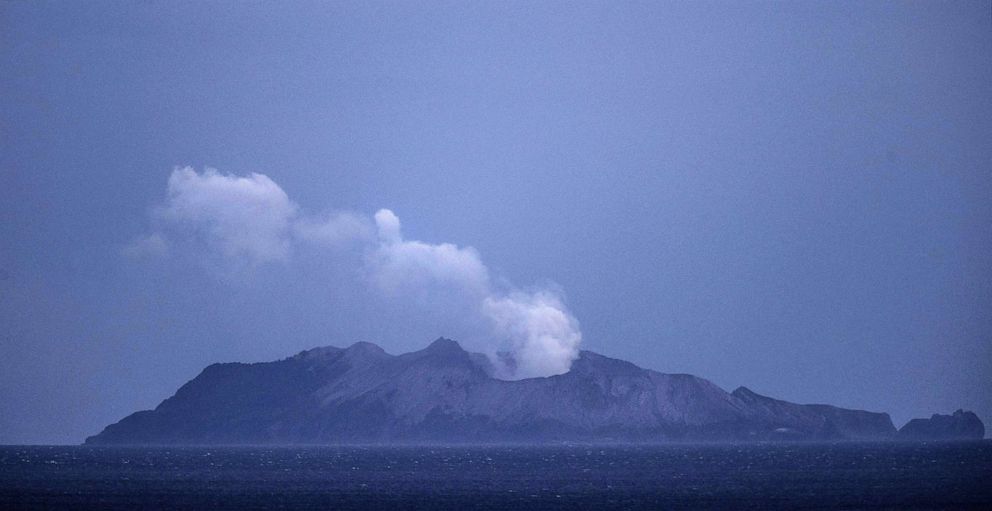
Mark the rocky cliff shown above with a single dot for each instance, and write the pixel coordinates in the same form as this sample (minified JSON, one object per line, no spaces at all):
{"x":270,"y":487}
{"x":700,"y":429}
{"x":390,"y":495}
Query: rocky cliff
{"x":960,"y":426}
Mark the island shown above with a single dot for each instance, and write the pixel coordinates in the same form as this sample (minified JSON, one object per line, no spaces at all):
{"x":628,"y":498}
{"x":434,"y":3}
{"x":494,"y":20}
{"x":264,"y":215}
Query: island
{"x":443,"y":393}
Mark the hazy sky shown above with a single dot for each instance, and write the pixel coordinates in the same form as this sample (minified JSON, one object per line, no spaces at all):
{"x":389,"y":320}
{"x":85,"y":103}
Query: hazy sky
{"x":791,"y":196}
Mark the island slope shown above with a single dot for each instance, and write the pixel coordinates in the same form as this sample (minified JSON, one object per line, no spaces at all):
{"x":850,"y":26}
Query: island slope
{"x":443,"y":393}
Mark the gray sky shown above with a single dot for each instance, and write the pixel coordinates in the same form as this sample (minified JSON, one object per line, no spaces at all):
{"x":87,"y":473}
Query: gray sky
{"x":791,"y":196}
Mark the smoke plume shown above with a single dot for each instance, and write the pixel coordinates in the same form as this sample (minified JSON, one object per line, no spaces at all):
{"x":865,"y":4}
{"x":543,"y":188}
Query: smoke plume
{"x":250,"y":221}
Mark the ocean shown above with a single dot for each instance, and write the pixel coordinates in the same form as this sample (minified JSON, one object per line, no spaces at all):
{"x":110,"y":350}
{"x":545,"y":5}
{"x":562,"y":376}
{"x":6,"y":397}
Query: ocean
{"x":745,"y":476}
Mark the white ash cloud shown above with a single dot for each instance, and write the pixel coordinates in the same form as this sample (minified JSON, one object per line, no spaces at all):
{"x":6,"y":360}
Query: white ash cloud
{"x":334,"y":230}
{"x":241,"y":217}
{"x":399,"y":264}
{"x":250,"y":221}
{"x":535,"y":327}
{"x":544,"y":338}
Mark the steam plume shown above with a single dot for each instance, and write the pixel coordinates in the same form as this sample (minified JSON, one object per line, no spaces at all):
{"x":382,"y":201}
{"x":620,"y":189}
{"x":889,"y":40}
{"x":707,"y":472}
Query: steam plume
{"x":251,"y":221}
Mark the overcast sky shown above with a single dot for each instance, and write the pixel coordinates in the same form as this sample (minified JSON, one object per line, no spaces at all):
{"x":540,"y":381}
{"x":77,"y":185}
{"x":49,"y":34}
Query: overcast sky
{"x":791,"y":196}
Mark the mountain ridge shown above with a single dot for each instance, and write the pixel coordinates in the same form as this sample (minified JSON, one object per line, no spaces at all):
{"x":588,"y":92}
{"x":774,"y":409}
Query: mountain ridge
{"x":362,"y":394}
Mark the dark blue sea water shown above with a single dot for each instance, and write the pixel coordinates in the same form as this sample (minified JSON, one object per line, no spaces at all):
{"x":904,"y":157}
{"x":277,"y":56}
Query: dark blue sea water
{"x":752,"y":476}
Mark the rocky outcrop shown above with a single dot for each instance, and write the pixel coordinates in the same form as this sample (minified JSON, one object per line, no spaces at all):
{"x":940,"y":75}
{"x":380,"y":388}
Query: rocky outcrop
{"x":961,"y":425}
{"x":789,"y":420}
{"x":443,"y":393}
